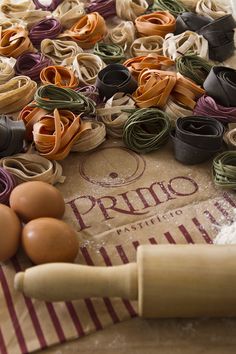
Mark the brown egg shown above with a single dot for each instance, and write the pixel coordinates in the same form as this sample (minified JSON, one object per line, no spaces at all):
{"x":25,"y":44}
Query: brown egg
{"x":48,"y":240}
{"x":32,"y":200}
{"x":10,"y":232}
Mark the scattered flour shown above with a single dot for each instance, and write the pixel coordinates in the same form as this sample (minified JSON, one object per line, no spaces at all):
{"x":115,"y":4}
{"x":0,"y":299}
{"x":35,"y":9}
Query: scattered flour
{"x":227,"y":235}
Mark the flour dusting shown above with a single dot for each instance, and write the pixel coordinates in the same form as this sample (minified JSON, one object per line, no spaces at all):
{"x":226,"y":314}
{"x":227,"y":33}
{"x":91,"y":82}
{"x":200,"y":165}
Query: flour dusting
{"x":227,"y":235}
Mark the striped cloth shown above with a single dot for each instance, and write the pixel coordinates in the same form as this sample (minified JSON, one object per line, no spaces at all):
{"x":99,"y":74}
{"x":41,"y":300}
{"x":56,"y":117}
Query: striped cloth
{"x":30,"y":325}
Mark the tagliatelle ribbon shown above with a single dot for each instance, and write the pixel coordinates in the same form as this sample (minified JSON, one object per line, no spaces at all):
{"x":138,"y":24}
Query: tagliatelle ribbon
{"x":230,"y":136}
{"x":137,"y":64}
{"x":22,"y":11}
{"x":31,"y":64}
{"x":69,"y":12}
{"x":9,"y":23}
{"x":193,"y":67}
{"x":130,"y":9}
{"x":109,"y":53}
{"x":52,"y":5}
{"x":90,"y":91}
{"x":58,"y":50}
{"x":187,"y":42}
{"x":6,"y":69}
{"x":211,"y":9}
{"x":174,"y":110}
{"x":16,"y":93}
{"x":60,"y":76}
{"x":175,"y":7}
{"x":224,"y":170}
{"x":105,"y":8}
{"x":32,"y":167}
{"x":90,"y":29}
{"x":189,"y":4}
{"x":50,"y":97}
{"x":186,"y":92}
{"x":207,"y":106}
{"x":31,"y":115}
{"x":10,"y":9}
{"x":14,"y":42}
{"x":146,"y":130}
{"x":12,"y":136}
{"x":86,"y":67}
{"x":114,"y":114}
{"x":46,"y":28}
{"x":54,"y":135}
{"x":196,"y":139}
{"x":220,"y":84}
{"x":123,"y":34}
{"x":91,"y":138}
{"x":155,"y":87}
{"x":219,"y":32}
{"x":147,"y":45}
{"x":115,"y":78}
{"x":190,"y":21}
{"x":156,"y":23}
{"x":32,"y":17}
{"x":7,"y":184}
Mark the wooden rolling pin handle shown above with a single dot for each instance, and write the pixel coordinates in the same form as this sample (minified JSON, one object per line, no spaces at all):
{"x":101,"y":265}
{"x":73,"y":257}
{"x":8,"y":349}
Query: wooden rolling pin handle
{"x":66,"y":282}
{"x":168,"y":281}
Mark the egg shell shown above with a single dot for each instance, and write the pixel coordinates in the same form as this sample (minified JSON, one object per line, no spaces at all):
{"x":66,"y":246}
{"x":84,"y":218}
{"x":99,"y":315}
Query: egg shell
{"x":32,"y":200}
{"x":47,"y":240}
{"x":10,"y":232}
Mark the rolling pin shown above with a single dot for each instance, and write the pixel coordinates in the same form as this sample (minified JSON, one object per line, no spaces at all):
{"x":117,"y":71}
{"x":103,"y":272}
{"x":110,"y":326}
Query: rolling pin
{"x":167,"y":280}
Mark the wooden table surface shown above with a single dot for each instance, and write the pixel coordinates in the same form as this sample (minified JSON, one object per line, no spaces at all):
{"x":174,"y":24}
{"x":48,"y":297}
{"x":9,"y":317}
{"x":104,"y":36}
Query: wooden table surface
{"x":139,"y":336}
